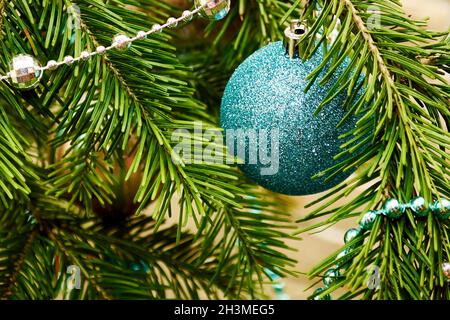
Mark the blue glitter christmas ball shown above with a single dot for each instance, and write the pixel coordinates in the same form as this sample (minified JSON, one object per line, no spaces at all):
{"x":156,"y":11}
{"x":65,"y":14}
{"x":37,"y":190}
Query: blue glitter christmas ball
{"x":270,"y":123}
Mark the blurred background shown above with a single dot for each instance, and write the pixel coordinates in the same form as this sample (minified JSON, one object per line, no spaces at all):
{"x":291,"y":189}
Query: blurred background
{"x":315,"y":247}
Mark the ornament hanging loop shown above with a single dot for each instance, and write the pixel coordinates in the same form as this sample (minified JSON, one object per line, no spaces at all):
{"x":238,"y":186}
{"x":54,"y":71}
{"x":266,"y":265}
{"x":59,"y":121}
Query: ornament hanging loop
{"x":294,"y":39}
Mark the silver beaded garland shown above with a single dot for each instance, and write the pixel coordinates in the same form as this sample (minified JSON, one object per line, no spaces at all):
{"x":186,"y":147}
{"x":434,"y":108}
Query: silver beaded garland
{"x":187,"y":15}
{"x":121,"y":42}
{"x":213,"y":9}
{"x":156,"y":28}
{"x":141,"y":35}
{"x":84,"y":55}
{"x":173,"y":22}
{"x":25,"y":72}
{"x":52,"y":65}
{"x":100,"y":50}
{"x":68,"y":60}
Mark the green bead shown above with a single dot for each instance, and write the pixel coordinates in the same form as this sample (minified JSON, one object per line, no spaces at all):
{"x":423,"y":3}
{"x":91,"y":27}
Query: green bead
{"x":441,"y":209}
{"x":278,"y":287}
{"x":368,"y":220}
{"x":318,"y":296}
{"x":351,"y":234}
{"x":419,"y":207}
{"x":344,"y":260}
{"x":135,"y":267}
{"x":393,"y":209}
{"x":330,"y":276}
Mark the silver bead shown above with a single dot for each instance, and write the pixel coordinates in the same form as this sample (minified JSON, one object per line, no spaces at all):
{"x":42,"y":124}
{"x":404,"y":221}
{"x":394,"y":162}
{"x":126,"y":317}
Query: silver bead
{"x":68,"y":60}
{"x":100,"y":50}
{"x":446,"y":270}
{"x":141,"y":35}
{"x":52,"y":65}
{"x":25,"y":72}
{"x":173,"y":22}
{"x":85,"y":55}
{"x":121,"y":42}
{"x":156,"y":28}
{"x":187,"y":15}
{"x":213,"y":9}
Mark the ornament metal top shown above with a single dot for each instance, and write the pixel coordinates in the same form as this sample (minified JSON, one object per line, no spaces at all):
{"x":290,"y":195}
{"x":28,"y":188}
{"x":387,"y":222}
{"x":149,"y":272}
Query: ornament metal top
{"x":294,"y":39}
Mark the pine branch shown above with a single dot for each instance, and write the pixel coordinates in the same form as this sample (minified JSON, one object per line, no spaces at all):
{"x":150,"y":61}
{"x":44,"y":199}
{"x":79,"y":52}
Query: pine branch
{"x":403,"y":110}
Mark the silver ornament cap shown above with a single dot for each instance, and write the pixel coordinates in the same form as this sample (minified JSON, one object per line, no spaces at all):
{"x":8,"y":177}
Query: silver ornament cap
{"x":25,"y":72}
{"x":294,"y":39}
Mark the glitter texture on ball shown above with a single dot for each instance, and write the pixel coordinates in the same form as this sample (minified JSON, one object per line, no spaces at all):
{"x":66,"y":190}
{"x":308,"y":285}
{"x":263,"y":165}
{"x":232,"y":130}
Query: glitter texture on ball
{"x":267,"y":93}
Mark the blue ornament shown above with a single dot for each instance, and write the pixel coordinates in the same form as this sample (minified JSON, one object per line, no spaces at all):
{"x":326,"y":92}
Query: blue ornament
{"x":270,"y":123}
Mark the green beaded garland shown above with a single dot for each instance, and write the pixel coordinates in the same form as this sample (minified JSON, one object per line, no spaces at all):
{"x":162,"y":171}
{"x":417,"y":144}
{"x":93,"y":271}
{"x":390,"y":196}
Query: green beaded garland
{"x":351,"y":234}
{"x":368,"y":220}
{"x":419,"y":207}
{"x":441,"y":208}
{"x":318,"y":296}
{"x":393,"y":209}
{"x":330,"y":276}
